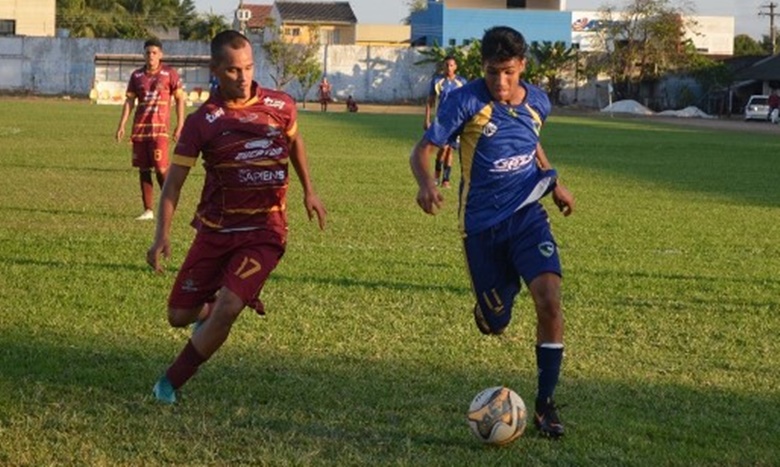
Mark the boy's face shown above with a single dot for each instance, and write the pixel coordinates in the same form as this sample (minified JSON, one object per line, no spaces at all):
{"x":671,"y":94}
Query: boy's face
{"x":153,"y":55}
{"x":503,"y":78}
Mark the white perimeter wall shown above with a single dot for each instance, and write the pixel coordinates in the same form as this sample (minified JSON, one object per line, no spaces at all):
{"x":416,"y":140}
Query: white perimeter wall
{"x":54,"y":66}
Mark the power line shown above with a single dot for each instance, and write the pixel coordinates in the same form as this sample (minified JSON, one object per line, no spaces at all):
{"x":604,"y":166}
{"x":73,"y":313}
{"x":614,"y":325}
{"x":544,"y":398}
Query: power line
{"x":771,"y":6}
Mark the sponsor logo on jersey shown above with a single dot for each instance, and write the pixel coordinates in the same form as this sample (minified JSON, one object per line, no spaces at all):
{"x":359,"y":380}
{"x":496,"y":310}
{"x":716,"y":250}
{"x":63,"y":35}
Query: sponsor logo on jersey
{"x":255,"y":153}
{"x":249,"y":118}
{"x":213,"y":116}
{"x":258,"y":143}
{"x":275,"y":103}
{"x":255,"y":177}
{"x":546,"y":249}
{"x":511,"y":164}
{"x":490,"y":129}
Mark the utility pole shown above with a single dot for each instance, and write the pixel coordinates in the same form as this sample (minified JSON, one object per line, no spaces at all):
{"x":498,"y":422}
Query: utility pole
{"x":772,"y":6}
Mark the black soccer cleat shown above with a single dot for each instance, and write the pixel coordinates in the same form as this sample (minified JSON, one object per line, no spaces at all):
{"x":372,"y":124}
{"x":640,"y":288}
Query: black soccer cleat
{"x":546,"y":419}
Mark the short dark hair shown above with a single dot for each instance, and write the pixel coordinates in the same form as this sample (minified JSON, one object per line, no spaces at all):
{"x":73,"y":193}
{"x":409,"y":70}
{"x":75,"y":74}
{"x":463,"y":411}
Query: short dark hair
{"x":153,"y":42}
{"x":448,"y":58}
{"x":230,"y":38}
{"x":502,"y":43}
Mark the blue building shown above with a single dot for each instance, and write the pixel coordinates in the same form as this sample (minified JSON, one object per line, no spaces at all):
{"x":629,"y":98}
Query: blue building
{"x":447,"y":26}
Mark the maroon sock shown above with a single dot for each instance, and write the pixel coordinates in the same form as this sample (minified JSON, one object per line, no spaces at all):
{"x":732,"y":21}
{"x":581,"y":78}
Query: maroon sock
{"x":185,"y":366}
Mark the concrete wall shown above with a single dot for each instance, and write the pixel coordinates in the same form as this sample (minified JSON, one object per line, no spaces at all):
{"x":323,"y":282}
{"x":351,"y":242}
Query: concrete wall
{"x":55,"y":66}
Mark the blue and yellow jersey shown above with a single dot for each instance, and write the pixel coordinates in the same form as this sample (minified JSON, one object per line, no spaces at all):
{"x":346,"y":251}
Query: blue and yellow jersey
{"x":441,"y":86}
{"x":498,"y":152}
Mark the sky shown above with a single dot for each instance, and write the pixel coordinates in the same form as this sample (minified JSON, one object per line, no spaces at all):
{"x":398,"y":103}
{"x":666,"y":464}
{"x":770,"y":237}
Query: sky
{"x":745,"y":12}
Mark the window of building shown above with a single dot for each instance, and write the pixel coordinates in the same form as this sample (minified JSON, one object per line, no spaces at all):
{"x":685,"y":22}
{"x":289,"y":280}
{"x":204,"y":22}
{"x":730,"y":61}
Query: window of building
{"x":331,"y":36}
{"x":515,"y":3}
{"x":453,"y":42}
{"x":7,"y":27}
{"x":294,"y":32}
{"x":466,"y":41}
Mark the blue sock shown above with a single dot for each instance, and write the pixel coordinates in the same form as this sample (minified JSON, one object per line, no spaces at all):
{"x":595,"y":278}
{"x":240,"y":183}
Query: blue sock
{"x":548,"y":362}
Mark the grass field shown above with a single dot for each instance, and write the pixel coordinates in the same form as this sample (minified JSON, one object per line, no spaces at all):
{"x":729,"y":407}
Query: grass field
{"x":368,"y":354}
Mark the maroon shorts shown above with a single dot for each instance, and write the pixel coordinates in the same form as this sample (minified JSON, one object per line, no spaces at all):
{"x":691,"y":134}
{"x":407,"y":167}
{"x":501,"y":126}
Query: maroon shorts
{"x":240,"y":261}
{"x":151,"y":154}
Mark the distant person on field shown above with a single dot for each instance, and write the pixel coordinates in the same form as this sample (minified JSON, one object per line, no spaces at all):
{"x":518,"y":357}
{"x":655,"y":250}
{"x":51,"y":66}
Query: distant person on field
{"x":440,"y":87}
{"x":325,"y":94}
{"x":774,"y":106}
{"x":351,"y":104}
{"x":153,"y":86}
{"x":248,"y":138}
{"x":506,"y":231}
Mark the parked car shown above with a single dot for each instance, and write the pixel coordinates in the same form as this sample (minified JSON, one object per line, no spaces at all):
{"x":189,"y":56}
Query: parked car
{"x":757,"y":108}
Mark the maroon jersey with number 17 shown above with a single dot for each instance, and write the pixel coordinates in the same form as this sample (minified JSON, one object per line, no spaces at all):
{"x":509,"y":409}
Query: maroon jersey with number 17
{"x":245,"y":153}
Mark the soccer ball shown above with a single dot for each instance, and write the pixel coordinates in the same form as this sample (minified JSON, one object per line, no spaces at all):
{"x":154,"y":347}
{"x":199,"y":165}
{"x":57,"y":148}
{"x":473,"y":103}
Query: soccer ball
{"x":497,"y":416}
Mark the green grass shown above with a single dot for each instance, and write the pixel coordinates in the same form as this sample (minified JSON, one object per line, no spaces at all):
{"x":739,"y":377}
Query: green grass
{"x":368,"y":354}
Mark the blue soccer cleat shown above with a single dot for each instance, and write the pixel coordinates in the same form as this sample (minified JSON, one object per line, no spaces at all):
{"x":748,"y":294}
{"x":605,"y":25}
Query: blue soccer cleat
{"x":163,"y":391}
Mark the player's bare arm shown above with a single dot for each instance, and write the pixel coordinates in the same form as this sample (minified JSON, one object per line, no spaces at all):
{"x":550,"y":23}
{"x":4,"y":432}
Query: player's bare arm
{"x":169,"y":199}
{"x":429,"y":103}
{"x":127,"y":108}
{"x":300,"y":163}
{"x":562,"y":197}
{"x":428,"y":196}
{"x":180,"y":108}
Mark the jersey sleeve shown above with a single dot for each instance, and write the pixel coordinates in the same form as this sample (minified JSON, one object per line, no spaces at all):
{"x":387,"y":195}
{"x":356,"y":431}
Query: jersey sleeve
{"x":130,"y":90}
{"x":451,"y":116}
{"x":176,"y":84}
{"x":190,"y":142}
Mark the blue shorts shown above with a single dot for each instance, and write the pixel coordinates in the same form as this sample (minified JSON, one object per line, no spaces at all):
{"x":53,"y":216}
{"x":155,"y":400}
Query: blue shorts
{"x":521,"y":246}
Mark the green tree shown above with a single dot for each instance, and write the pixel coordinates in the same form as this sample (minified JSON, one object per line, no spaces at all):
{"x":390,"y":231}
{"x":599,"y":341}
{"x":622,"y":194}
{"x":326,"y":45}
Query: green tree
{"x":414,"y":5}
{"x":547,"y":62}
{"x":468,"y":57}
{"x":642,"y":42}
{"x":308,"y":73}
{"x":205,"y":27}
{"x":122,"y":18}
{"x":746,"y":45}
{"x":289,"y":60}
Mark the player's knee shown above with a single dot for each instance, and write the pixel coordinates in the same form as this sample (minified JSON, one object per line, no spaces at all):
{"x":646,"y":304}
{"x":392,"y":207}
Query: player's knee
{"x":179,"y":318}
{"x":484,"y":325}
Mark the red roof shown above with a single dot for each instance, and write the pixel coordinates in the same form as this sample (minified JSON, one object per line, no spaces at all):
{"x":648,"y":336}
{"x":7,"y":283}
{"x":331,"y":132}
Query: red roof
{"x":259,"y":14}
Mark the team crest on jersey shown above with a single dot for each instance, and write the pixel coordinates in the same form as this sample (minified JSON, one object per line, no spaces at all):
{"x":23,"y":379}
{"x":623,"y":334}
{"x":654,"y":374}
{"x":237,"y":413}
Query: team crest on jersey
{"x":490,"y":129}
{"x":275,"y":103}
{"x":189,"y":285}
{"x":546,"y":249}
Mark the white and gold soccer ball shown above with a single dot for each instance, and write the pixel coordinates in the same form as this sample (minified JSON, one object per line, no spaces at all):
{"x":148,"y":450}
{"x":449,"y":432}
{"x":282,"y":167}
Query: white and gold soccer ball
{"x":497,"y":416}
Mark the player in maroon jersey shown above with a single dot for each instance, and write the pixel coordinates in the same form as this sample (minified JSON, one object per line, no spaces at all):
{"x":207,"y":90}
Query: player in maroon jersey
{"x":153,"y":86}
{"x":247,"y":136}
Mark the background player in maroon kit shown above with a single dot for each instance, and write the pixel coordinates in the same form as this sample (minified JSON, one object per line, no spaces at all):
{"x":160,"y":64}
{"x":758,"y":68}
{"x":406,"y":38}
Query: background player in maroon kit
{"x":153,"y":86}
{"x":247,"y":135}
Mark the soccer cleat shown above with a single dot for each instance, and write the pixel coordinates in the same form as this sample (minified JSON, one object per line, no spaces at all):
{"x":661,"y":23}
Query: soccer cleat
{"x":546,"y":419}
{"x":445,"y":184}
{"x":163,"y":391}
{"x":147,"y":215}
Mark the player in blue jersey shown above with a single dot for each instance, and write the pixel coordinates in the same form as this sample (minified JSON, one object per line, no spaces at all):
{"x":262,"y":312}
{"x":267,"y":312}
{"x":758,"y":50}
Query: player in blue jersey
{"x":505,"y":173}
{"x":441,"y":85}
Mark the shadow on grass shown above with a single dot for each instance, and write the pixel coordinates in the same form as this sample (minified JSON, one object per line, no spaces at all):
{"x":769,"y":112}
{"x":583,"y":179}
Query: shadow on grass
{"x":378,"y":409}
{"x":739,"y":166}
{"x":355,"y":282}
{"x":58,"y":212}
